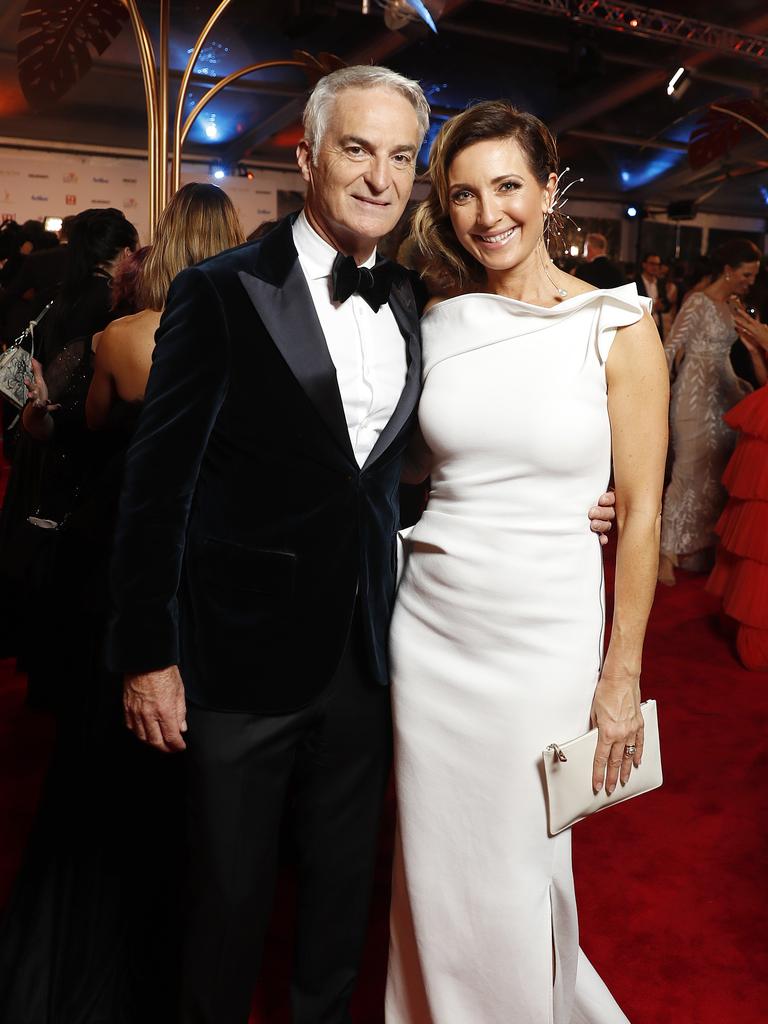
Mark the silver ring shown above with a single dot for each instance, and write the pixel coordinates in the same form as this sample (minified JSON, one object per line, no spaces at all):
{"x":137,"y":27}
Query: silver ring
{"x":629,"y":750}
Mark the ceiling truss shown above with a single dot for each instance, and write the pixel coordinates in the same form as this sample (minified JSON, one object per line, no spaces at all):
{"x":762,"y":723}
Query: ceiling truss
{"x":651,"y":24}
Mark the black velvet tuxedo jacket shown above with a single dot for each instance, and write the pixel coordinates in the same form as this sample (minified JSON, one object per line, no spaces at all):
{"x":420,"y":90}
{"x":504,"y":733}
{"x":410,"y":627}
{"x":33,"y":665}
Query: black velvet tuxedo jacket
{"x":246,"y":528}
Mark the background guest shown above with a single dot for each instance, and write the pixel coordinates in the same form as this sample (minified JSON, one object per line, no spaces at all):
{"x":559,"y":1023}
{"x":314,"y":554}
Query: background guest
{"x":706,"y":386}
{"x":91,"y":931}
{"x":740,"y":576}
{"x":669,"y":290}
{"x":81,"y":307}
{"x":647,"y":282}
{"x":599,"y":270}
{"x":198,"y":222}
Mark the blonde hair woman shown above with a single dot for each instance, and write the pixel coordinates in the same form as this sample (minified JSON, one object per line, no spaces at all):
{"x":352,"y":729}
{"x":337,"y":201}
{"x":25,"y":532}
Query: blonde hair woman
{"x":199,"y":221}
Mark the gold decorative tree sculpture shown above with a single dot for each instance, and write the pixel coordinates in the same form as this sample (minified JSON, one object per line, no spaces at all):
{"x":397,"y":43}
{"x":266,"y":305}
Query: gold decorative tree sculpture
{"x":57,"y":43}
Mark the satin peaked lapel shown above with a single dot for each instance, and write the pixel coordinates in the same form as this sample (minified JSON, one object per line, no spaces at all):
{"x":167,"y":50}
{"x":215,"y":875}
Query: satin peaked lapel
{"x":403,"y":306}
{"x":289,"y":315}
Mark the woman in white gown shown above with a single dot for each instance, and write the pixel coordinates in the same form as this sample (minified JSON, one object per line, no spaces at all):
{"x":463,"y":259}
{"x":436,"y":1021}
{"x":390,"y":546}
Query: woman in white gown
{"x":532,"y":381}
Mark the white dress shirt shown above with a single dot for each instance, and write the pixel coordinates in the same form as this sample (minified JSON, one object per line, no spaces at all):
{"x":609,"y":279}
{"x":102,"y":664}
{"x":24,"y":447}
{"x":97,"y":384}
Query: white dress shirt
{"x":367,"y":348}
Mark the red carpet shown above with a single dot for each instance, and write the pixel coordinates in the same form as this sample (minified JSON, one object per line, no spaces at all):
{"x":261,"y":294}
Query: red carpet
{"x":671,"y":886}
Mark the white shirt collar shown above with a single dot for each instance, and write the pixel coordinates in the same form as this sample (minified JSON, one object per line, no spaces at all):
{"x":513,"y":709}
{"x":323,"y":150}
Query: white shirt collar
{"x":316,"y":254}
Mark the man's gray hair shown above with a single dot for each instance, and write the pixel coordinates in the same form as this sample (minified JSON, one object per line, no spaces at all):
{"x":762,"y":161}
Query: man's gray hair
{"x":360,"y":76}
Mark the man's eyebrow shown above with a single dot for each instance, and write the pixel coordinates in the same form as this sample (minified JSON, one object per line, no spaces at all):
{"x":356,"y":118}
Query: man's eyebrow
{"x":355,"y":140}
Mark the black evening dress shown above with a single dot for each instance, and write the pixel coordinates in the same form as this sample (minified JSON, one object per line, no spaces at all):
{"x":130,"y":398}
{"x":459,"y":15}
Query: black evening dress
{"x":89,"y":935}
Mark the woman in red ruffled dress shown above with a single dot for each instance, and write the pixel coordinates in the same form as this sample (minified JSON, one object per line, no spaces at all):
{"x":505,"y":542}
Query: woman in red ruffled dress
{"x":740,"y":576}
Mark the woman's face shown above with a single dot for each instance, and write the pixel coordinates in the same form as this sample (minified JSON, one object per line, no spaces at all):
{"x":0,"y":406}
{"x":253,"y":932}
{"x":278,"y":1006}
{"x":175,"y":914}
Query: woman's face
{"x":742,"y":277}
{"x":495,"y":203}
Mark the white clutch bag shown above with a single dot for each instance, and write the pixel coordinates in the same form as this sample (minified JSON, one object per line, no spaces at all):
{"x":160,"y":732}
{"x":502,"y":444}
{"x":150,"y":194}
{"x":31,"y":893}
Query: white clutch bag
{"x":568,"y":770}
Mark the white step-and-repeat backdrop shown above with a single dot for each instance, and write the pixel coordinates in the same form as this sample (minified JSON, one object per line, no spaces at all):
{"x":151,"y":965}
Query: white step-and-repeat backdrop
{"x":36,"y":185}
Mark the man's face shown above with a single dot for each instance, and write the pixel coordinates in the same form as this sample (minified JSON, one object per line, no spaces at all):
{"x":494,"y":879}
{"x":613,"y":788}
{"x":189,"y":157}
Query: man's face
{"x":363,"y":175}
{"x":652,"y":266}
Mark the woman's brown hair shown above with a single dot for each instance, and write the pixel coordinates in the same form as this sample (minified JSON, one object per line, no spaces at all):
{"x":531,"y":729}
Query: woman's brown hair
{"x":198,"y":222}
{"x":733,"y":253}
{"x":492,"y":119}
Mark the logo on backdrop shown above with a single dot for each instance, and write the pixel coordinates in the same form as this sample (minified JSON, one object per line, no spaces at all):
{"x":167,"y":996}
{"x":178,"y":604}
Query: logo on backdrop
{"x":101,"y":181}
{"x":70,"y":178}
{"x":35,"y":175}
{"x":129,"y":181}
{"x":70,"y":200}
{"x":101,"y":202}
{"x":5,"y":217}
{"x":130,"y":204}
{"x":39,"y":199}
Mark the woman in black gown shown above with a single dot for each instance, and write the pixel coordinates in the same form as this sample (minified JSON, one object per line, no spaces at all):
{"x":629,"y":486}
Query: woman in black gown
{"x":91,"y":930}
{"x":99,"y":239}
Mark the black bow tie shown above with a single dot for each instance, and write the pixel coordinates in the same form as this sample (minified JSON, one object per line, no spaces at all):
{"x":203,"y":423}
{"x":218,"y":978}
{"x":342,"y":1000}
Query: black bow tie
{"x":372,"y":284}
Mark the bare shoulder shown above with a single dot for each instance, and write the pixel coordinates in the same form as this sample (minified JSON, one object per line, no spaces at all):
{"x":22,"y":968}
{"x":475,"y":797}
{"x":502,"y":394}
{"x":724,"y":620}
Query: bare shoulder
{"x":128,"y":330}
{"x":637,"y":355}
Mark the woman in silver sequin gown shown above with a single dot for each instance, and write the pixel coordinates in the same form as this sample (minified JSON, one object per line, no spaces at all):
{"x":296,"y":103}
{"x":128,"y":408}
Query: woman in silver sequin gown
{"x":705,"y":388}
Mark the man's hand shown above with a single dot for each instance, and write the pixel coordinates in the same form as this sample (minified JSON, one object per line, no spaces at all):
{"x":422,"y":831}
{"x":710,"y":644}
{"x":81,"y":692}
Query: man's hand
{"x":602,"y":515}
{"x":155,"y":709}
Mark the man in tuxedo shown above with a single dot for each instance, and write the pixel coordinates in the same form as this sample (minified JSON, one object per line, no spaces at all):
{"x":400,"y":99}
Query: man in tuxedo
{"x":648,"y":284}
{"x":599,"y":270}
{"x":255,"y":552}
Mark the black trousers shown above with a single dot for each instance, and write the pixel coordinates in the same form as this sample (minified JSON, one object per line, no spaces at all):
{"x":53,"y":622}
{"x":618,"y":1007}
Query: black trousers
{"x":326,"y":768}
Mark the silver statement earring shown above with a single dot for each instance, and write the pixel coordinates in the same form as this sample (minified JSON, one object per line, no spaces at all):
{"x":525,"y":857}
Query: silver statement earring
{"x":553,"y":228}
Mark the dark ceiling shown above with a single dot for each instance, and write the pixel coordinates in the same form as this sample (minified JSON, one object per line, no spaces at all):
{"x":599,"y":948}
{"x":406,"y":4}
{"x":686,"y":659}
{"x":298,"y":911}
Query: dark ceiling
{"x":602,"y":90}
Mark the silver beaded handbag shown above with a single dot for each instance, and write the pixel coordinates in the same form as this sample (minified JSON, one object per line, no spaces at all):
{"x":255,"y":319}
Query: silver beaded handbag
{"x":568,"y":771}
{"x":16,"y":364}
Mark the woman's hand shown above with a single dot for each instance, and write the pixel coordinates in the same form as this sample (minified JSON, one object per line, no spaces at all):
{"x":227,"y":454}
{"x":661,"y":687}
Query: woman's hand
{"x":37,"y":390}
{"x":619,"y":721}
{"x":753,"y":334}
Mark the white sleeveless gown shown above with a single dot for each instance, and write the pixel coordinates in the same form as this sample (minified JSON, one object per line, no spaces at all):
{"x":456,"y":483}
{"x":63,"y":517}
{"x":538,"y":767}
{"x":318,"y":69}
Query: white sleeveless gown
{"x":496,"y":649}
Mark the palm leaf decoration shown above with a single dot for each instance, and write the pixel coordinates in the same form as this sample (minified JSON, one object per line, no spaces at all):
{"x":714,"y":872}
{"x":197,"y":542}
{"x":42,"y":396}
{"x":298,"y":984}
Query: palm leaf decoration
{"x":59,"y":40}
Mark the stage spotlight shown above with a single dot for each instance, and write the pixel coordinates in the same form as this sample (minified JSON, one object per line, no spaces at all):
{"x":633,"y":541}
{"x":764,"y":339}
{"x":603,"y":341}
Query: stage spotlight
{"x":631,"y":211}
{"x":678,"y":84}
{"x":210,"y":128}
{"x":635,"y":211}
{"x":217,"y":171}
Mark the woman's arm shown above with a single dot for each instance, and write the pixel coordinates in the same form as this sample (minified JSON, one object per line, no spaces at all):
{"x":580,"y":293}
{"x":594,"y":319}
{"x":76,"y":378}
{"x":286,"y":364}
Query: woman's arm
{"x":417,"y":461}
{"x":102,"y":391}
{"x":638,"y":402}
